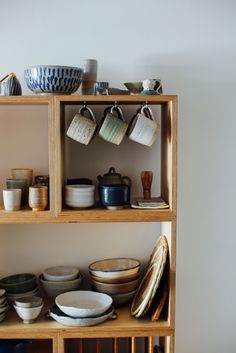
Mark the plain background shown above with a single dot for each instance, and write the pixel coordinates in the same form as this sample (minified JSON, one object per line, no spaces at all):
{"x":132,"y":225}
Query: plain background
{"x":191,"y":46}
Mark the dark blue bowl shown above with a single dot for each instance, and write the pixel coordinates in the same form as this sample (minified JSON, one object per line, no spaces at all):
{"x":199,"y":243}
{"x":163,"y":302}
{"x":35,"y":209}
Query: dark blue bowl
{"x":114,"y":196}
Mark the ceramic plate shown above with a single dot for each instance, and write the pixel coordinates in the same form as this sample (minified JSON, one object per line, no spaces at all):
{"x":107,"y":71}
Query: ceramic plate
{"x":66,"y":320}
{"x":83,"y":303}
{"x":151,"y":279}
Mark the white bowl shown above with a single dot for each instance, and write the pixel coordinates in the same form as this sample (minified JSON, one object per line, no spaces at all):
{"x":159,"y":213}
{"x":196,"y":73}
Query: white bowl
{"x":28,"y":315}
{"x":60,"y":273}
{"x":115,"y":268}
{"x":53,"y":289}
{"x":79,"y":196}
{"x":83,"y":303}
{"x":28,"y":302}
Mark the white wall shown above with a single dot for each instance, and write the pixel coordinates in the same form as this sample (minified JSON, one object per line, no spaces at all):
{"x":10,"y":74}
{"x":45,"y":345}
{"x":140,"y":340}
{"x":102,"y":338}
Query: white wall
{"x":191,"y":46}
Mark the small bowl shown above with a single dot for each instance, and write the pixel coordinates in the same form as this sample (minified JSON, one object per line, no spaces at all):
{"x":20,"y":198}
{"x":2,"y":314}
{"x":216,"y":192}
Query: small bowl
{"x":80,"y":196}
{"x":116,"y":288}
{"x":53,"y":79}
{"x":60,"y":273}
{"x":28,"y":315}
{"x":83,"y":303}
{"x":122,"y":298}
{"x":114,"y":196}
{"x":115,"y":268}
{"x":28,"y":302}
{"x":53,"y":289}
{"x":18,"y":283}
{"x":134,"y":87}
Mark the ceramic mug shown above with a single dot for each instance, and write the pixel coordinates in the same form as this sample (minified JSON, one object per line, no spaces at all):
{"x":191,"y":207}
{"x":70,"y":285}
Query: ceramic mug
{"x":143,"y":128}
{"x":12,"y":199}
{"x":82,"y":129}
{"x":16,"y":183}
{"x":114,"y":127}
{"x":38,"y":197}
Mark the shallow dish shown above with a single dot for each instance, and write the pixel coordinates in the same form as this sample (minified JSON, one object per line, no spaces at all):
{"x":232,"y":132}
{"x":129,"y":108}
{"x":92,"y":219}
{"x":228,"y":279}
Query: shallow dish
{"x":60,"y":273}
{"x":66,"y":320}
{"x":53,"y":289}
{"x":18,"y":283}
{"x":83,"y":303}
{"x":53,"y":79}
{"x":115,"y":267}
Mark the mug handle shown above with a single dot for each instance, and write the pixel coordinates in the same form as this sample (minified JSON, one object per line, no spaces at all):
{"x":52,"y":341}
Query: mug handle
{"x":147,"y":111}
{"x":90,"y":112}
{"x":118,"y":110}
{"x":126,"y":180}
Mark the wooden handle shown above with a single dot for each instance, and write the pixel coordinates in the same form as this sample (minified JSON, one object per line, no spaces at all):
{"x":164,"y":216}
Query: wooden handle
{"x":146,"y":177}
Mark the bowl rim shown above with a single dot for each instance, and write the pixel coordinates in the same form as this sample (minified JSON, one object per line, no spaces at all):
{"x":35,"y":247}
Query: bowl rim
{"x":55,"y":66}
{"x":115,"y":270}
{"x":31,"y":278}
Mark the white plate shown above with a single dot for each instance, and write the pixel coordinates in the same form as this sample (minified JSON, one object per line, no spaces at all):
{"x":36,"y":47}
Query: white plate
{"x":66,"y":320}
{"x":60,"y":273}
{"x":83,"y":303}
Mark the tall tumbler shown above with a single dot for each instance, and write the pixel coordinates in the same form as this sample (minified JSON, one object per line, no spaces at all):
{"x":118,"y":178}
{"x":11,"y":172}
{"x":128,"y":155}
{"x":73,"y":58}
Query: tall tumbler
{"x":90,"y":67}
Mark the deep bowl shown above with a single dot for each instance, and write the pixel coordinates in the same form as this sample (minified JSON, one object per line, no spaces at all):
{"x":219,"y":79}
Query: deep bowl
{"x":114,"y":196}
{"x":19,"y":283}
{"x":28,"y":315}
{"x":53,"y":79}
{"x":134,"y":87}
{"x":79,"y":196}
{"x":52,"y":288}
{"x":115,"y":268}
{"x":116,"y":288}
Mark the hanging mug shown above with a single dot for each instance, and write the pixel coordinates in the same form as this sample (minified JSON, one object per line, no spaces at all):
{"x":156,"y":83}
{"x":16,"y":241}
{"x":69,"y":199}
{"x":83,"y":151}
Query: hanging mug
{"x":114,"y":127}
{"x":82,"y":128}
{"x":143,"y":128}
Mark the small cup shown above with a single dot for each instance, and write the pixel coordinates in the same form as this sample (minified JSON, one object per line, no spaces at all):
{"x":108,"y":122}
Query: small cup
{"x":13,"y":183}
{"x":143,"y":128}
{"x":12,"y":199}
{"x":113,"y":127}
{"x":38,"y":197}
{"x":82,"y":128}
{"x":101,"y":88}
{"x":115,"y":196}
{"x":23,"y":173}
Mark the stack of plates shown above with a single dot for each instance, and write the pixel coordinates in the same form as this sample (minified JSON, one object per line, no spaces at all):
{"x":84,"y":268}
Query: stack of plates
{"x":60,"y":279}
{"x":82,"y":308}
{"x":3,"y":305}
{"x":19,"y":285}
{"x":118,"y":277}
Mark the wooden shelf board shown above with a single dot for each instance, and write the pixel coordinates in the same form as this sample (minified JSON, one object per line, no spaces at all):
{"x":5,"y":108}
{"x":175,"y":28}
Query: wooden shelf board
{"x":124,"y":215}
{"x":26,"y":216}
{"x":124,"y":326}
{"x":25,"y":100}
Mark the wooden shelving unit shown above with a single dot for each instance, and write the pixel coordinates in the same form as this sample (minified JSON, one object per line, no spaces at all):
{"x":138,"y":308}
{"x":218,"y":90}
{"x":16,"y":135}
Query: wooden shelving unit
{"x":125,"y":325}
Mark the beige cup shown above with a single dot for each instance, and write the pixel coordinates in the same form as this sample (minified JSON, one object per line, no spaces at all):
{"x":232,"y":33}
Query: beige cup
{"x":38,"y":197}
{"x":12,"y":199}
{"x":114,"y":127}
{"x":82,"y":128}
{"x":143,"y":128}
{"x":23,"y":173}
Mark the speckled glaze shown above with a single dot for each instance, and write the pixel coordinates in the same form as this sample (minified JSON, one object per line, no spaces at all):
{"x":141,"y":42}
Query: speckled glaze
{"x":50,"y":79}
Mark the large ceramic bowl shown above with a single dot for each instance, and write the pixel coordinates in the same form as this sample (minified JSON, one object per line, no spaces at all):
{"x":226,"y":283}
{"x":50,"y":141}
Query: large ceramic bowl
{"x":83,"y":303}
{"x":18,"y":283}
{"x":115,"y":268}
{"x":60,"y":273}
{"x":116,"y":288}
{"x":52,"y":288}
{"x":53,"y":79}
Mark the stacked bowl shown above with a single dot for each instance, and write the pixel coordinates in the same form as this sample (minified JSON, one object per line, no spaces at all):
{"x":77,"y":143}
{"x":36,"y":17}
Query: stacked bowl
{"x":60,"y":279}
{"x":19,"y":285}
{"x":3,"y":305}
{"x":28,"y":308}
{"x":118,"y":277}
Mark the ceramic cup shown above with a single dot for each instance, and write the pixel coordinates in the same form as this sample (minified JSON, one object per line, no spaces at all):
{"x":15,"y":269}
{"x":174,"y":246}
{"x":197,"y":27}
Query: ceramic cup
{"x":23,"y":173}
{"x":82,"y":128}
{"x":38,"y":197}
{"x":14,"y":183}
{"x":113,"y":128}
{"x":12,"y":199}
{"x":90,"y":67}
{"x":101,"y":88}
{"x":143,"y":128}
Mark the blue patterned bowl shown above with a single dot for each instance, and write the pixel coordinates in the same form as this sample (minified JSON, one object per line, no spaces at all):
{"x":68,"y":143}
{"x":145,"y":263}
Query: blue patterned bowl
{"x":51,"y":79}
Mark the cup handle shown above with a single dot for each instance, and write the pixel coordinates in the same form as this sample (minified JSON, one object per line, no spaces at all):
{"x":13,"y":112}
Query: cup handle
{"x":126,"y":180}
{"x":119,"y":112}
{"x":147,"y":111}
{"x":90,"y":112}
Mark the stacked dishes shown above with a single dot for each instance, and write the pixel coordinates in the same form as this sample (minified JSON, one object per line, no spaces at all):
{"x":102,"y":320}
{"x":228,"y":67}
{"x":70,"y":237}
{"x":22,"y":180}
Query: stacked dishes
{"x":3,"y":305}
{"x":118,"y":277}
{"x":28,"y":308}
{"x":82,"y":308}
{"x":60,"y":279}
{"x":19,"y":285}
{"x":80,"y":196}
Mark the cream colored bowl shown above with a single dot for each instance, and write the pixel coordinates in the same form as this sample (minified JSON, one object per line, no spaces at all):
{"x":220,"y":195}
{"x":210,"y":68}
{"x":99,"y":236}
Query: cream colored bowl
{"x":115,"y":268}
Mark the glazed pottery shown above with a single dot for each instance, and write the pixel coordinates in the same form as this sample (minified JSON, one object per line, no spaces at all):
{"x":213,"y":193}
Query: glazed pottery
{"x":134,"y":87}
{"x":10,"y":85}
{"x":28,"y":315}
{"x":38,"y":197}
{"x":12,"y":199}
{"x":53,"y":79}
{"x":28,"y":302}
{"x":113,"y":127}
{"x":18,"y":283}
{"x":60,"y":273}
{"x":23,"y":173}
{"x":54,"y":288}
{"x":112,"y":177}
{"x":101,"y":88}
{"x":120,"y":267}
{"x":89,"y":76}
{"x":114,"y":196}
